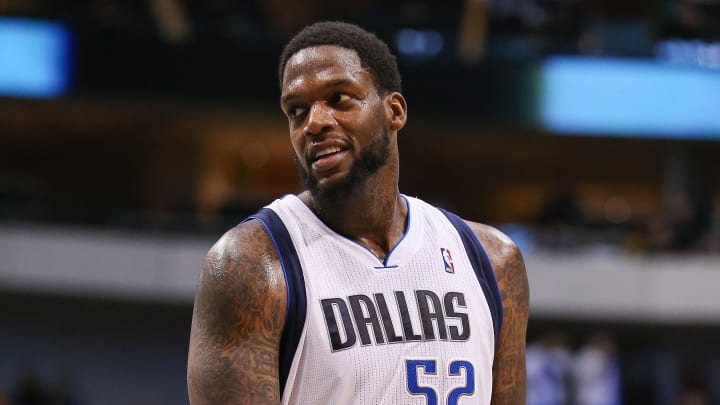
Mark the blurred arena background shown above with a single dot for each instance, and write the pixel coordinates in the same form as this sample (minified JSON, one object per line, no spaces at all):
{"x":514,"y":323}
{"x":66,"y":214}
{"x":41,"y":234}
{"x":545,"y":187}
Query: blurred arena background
{"x":134,"y":133}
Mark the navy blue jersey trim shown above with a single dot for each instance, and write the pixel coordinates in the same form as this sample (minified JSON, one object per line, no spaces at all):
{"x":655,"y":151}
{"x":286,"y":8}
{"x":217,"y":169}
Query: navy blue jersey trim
{"x":483,"y":270}
{"x":405,"y":233}
{"x":295,"y":284}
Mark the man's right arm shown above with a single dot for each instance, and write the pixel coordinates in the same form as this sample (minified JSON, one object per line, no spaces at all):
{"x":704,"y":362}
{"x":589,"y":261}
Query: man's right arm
{"x":237,"y":321}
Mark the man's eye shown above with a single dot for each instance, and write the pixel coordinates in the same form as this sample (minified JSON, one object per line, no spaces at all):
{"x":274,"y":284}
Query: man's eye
{"x":339,"y":98}
{"x":295,"y":111}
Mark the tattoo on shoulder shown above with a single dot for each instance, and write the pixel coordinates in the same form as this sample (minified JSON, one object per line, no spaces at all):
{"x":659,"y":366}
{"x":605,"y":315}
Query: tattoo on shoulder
{"x":509,"y":374}
{"x":238,"y":320}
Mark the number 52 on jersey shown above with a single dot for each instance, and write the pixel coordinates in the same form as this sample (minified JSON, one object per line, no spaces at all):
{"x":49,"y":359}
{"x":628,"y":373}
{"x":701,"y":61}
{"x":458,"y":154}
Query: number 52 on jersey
{"x":428,"y":368}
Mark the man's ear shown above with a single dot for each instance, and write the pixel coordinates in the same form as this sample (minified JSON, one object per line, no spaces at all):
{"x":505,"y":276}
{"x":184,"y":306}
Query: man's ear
{"x":396,"y":108}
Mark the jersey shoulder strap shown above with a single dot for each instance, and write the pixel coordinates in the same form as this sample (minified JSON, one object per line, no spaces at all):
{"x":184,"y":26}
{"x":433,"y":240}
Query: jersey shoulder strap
{"x":295,"y":285}
{"x":483,"y":269}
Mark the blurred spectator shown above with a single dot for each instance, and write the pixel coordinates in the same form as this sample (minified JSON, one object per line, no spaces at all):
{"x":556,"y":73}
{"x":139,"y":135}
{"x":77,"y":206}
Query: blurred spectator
{"x":563,"y":207}
{"x":694,"y":390}
{"x":694,"y":19}
{"x":30,"y":391}
{"x":596,"y":372}
{"x":660,"y":234}
{"x":711,"y":240}
{"x":548,"y":371}
{"x":65,"y":391}
{"x":676,"y":228}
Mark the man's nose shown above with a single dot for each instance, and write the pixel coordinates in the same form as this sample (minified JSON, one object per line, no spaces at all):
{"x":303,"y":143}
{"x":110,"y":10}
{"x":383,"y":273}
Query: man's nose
{"x":319,"y":119}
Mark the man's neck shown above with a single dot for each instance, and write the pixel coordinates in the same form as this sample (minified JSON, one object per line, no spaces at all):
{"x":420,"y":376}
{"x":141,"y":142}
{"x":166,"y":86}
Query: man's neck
{"x":374,"y":216}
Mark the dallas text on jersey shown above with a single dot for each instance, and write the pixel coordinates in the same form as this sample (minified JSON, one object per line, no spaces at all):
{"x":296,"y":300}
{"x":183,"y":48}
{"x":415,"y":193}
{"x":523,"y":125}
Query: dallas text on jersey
{"x":443,"y":319}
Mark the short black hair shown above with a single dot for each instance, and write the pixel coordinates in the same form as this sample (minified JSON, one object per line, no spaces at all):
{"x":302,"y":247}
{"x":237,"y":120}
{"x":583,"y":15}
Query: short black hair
{"x":374,"y":54}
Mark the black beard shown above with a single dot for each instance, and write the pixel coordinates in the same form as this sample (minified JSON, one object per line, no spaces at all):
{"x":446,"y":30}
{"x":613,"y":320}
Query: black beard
{"x":372,"y":159}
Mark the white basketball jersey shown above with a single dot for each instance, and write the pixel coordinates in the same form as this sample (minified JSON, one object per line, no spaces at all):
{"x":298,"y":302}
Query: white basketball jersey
{"x":419,"y":327}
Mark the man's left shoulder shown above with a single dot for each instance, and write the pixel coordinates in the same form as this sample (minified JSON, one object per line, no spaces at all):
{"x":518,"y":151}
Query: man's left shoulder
{"x":509,"y":267}
{"x":501,"y":250}
{"x":509,"y":379}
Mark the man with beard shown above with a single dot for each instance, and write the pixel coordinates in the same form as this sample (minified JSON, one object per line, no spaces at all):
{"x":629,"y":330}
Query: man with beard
{"x":351,"y":292}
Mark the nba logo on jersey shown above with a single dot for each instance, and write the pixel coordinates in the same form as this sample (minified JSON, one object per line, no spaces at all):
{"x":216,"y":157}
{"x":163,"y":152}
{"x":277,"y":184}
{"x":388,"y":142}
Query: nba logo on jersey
{"x":447,"y":259}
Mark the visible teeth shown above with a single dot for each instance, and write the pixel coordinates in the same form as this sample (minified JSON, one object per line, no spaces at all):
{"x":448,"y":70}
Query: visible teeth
{"x":327,"y":151}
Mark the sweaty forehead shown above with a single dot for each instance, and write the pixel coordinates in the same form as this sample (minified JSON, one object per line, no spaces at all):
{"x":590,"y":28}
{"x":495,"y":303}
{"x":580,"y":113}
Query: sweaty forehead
{"x":324,"y":63}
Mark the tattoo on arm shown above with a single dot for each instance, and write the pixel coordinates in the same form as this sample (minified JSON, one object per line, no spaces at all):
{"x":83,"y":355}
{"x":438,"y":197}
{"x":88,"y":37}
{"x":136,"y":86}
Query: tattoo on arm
{"x":509,"y":372}
{"x":237,"y":322}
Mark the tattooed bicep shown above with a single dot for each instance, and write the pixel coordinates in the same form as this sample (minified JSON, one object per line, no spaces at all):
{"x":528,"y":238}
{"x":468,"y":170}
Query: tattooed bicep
{"x":237,"y":321}
{"x":509,"y":373}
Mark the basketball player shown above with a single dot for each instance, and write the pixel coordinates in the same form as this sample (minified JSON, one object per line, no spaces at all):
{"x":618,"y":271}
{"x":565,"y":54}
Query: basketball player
{"x":351,"y":292}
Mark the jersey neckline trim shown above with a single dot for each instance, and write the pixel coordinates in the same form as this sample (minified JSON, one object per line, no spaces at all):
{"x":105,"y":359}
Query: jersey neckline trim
{"x":397,"y":255}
